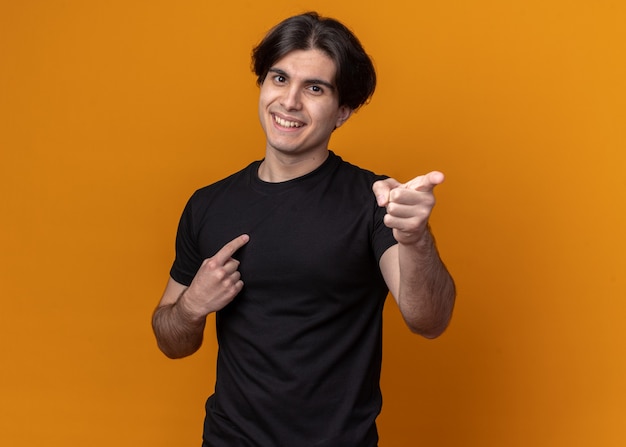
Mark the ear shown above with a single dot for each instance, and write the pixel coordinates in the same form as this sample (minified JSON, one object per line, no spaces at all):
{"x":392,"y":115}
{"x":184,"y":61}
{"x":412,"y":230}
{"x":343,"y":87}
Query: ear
{"x":344,"y":113}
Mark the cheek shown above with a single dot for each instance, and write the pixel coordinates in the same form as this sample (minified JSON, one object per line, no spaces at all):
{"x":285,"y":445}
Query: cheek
{"x":265,"y":95}
{"x":264,"y":101}
{"x":328,"y":116}
{"x":260,"y":111}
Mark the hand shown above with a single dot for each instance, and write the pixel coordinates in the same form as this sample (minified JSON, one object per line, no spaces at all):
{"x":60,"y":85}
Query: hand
{"x":408,"y":205}
{"x":217,"y":281}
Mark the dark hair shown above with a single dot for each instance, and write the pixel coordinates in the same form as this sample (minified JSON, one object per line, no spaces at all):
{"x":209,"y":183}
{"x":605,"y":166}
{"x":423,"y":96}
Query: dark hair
{"x":356,"y":76}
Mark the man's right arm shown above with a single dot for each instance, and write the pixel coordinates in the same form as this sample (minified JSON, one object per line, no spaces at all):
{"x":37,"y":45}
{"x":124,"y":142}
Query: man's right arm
{"x":179,"y":319}
{"x":178,"y":332}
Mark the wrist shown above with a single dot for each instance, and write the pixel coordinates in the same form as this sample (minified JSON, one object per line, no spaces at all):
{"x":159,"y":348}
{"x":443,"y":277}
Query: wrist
{"x":416,"y":240}
{"x":186,"y":308}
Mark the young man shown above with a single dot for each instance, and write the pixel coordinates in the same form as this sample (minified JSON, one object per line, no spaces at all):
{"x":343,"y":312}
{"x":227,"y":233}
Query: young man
{"x":296,"y":254}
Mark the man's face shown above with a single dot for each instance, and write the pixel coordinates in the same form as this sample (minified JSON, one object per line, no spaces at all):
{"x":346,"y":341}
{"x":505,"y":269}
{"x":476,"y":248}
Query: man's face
{"x":298,"y":104}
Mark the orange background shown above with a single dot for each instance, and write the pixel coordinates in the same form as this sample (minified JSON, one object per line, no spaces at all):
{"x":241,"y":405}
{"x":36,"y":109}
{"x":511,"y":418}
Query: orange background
{"x":112,"y":113}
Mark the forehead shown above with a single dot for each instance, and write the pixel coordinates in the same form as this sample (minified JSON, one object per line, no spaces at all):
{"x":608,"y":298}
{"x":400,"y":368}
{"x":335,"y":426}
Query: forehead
{"x":308,"y":64}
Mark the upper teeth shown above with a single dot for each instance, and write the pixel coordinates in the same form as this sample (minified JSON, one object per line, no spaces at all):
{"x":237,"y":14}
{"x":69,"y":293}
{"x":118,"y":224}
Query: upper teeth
{"x":286,"y":123}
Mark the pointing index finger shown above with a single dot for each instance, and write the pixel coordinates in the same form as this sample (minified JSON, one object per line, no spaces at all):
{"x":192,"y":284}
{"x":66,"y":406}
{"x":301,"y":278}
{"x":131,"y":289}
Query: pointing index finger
{"x":228,"y":250}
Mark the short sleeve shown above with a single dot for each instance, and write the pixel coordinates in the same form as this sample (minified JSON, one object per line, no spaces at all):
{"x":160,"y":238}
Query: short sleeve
{"x":188,"y":258}
{"x":382,"y":235}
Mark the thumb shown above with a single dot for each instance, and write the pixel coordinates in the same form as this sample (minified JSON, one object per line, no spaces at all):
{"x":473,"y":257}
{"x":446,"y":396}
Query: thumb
{"x":425,"y":183}
{"x":382,"y":188}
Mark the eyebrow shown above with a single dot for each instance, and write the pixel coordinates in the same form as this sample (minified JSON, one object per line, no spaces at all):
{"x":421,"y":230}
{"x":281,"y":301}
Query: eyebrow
{"x":327,"y":84}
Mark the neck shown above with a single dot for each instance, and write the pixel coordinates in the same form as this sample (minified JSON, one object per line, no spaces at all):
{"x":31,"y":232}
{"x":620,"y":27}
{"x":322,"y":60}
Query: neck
{"x":277,"y":168}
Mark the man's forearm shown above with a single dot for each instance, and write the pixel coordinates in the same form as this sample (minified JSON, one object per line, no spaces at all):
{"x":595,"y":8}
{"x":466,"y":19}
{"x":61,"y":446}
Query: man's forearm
{"x":178,"y":334}
{"x":427,"y":291}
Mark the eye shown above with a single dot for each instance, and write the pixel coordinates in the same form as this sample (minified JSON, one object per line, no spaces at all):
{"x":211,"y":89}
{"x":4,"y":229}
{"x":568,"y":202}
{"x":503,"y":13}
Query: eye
{"x":280,"y":79}
{"x":316,"y":89}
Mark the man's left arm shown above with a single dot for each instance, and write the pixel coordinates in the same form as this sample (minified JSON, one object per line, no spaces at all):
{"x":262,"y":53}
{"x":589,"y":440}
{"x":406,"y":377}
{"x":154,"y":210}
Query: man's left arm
{"x":413,"y":269}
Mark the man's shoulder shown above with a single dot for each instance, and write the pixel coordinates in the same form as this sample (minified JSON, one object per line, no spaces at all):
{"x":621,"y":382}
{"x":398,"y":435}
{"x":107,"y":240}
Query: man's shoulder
{"x":358,"y":171}
{"x":242,"y":175}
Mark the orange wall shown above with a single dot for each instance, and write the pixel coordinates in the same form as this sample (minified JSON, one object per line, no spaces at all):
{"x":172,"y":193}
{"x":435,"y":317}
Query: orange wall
{"x":112,"y":113}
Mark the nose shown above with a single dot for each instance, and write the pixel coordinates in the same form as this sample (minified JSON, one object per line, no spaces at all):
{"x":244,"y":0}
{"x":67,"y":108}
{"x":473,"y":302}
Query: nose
{"x":291,"y":99}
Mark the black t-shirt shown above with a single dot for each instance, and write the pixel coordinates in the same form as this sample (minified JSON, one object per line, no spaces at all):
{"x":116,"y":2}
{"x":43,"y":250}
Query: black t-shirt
{"x":300,"y":347}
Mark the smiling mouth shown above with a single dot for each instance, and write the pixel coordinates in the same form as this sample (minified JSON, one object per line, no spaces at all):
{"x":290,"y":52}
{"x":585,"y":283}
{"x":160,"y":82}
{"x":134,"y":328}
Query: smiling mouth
{"x":286,"y":123}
